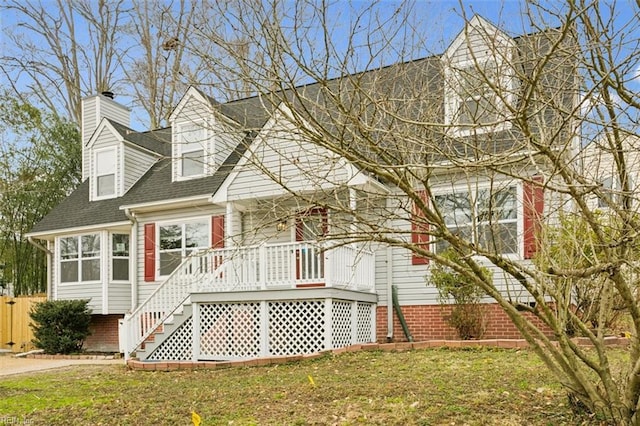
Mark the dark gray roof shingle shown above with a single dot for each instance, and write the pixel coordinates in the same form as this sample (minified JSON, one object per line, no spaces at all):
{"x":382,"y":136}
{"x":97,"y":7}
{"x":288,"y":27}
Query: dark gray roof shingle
{"x":155,"y":185}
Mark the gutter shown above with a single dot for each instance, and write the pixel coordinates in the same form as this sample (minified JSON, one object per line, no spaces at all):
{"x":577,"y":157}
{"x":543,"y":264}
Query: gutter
{"x":133,"y":249}
{"x":49,"y":254}
{"x":389,"y":294}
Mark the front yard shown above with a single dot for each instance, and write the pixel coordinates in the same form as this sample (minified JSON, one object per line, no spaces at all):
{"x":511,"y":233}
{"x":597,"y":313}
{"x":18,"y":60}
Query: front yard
{"x":422,"y":387}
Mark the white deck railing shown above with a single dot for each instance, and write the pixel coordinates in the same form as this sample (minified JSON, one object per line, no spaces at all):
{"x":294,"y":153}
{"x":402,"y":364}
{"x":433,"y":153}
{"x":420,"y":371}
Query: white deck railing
{"x":288,"y":265}
{"x":246,"y":268}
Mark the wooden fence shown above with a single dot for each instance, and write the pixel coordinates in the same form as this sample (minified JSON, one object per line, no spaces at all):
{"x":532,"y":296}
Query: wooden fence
{"x":14,"y":322}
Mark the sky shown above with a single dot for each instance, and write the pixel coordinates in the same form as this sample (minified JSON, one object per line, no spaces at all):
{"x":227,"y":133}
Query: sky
{"x":436,"y":23}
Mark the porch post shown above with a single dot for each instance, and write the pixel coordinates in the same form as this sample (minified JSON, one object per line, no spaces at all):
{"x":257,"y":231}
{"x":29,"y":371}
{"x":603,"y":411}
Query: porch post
{"x":262,"y":256}
{"x":374,"y":322}
{"x":353,"y":206}
{"x":264,"y":328}
{"x":328,"y":266}
{"x":328,"y":331}
{"x":354,"y":323}
{"x":230,"y":221}
{"x":195,"y":338}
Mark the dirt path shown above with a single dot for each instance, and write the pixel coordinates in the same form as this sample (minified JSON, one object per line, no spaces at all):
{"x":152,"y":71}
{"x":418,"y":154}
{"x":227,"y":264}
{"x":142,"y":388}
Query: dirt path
{"x":10,"y":365}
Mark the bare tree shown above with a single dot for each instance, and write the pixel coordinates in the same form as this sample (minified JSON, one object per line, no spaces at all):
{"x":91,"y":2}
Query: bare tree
{"x":63,"y":51}
{"x":160,"y":69}
{"x":459,"y":144}
{"x":60,"y":54}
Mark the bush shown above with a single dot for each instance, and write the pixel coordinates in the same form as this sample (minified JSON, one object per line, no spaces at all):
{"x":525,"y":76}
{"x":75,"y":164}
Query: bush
{"x":60,"y":326}
{"x":467,"y":315}
{"x":572,"y":244}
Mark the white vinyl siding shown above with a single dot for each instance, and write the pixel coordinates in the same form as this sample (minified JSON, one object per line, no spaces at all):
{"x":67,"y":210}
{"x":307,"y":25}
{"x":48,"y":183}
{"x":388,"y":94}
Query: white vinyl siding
{"x":169,"y":216}
{"x":480,"y":53}
{"x":413,"y":280}
{"x":218,"y":138}
{"x":136,"y":164}
{"x":94,"y":109}
{"x":299,"y":165}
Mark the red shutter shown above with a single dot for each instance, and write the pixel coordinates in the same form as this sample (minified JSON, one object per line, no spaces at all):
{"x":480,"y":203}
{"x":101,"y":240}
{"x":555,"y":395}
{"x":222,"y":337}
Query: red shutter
{"x":533,"y":199}
{"x":150,"y":252}
{"x":419,"y":229}
{"x":217,"y":231}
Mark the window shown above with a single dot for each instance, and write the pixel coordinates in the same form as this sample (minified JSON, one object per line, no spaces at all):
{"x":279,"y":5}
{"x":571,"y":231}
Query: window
{"x":120,"y":257}
{"x":489,"y":219}
{"x":476,"y":95}
{"x":105,"y":174}
{"x":177,"y":241}
{"x":192,"y":140}
{"x":80,"y":258}
{"x":478,"y":100}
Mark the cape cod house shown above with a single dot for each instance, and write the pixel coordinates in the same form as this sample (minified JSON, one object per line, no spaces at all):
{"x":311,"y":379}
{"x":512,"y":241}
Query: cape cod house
{"x":188,"y":246}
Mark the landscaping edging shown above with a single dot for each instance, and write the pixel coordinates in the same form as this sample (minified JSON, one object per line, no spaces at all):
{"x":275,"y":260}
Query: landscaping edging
{"x":135,"y":364}
{"x":94,"y":357}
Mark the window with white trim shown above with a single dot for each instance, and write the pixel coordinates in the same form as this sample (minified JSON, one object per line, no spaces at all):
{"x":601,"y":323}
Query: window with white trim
{"x":191,"y":150}
{"x":105,"y":173}
{"x":80,"y":258}
{"x":179,"y":240}
{"x":476,"y":95}
{"x":487,"y":218}
{"x":120,"y":257}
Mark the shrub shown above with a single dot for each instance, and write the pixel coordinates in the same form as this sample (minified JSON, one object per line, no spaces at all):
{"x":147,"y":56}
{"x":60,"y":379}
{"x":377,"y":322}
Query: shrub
{"x":572,"y":244}
{"x":467,"y":315}
{"x":60,"y":326}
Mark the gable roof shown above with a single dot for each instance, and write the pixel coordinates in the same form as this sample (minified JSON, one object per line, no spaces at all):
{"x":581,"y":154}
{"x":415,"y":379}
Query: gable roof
{"x":76,"y":211}
{"x":158,"y":141}
{"x":412,"y":88}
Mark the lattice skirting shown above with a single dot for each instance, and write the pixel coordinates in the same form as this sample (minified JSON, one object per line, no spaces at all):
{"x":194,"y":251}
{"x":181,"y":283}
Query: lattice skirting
{"x":231,"y":331}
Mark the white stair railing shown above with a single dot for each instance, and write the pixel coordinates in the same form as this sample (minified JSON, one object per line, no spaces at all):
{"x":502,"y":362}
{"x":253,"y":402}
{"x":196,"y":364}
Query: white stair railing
{"x":168,"y":297}
{"x":249,"y":268}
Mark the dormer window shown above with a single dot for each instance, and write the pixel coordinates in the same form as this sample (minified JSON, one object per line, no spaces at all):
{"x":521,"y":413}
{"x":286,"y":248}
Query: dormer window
{"x":478,"y":101}
{"x":479,"y":80}
{"x":191,"y":150}
{"x":105,"y":173}
{"x":477,"y":93}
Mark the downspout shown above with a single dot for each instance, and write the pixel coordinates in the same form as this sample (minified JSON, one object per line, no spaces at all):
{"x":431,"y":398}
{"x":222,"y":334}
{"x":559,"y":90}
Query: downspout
{"x":133,"y":270}
{"x":396,"y":305}
{"x":389,"y":294}
{"x":49,"y":263}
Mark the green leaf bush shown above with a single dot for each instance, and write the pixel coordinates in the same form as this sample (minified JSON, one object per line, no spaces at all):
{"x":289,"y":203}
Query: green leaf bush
{"x":60,"y":326}
{"x":467,"y":315}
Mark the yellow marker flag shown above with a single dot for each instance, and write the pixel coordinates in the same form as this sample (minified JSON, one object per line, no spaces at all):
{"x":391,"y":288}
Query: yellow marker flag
{"x":195,"y":418}
{"x":311,"y":380}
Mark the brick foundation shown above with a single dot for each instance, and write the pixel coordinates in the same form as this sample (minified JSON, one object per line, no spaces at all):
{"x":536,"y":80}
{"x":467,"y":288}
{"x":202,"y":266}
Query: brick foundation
{"x":428,"y":322}
{"x":104,"y":334}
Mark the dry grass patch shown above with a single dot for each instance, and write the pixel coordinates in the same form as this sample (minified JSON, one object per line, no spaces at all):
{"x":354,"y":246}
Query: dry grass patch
{"x":423,"y":387}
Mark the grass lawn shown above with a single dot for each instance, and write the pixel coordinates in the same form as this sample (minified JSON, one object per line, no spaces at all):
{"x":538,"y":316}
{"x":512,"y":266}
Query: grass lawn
{"x":422,"y":387}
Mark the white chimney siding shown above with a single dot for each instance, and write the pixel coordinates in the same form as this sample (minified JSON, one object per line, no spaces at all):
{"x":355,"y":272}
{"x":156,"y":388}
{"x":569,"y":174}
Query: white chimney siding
{"x":94,"y":109}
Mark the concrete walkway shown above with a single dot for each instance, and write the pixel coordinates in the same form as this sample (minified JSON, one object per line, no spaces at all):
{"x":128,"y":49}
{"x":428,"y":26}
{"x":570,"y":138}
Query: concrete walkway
{"x":10,"y":365}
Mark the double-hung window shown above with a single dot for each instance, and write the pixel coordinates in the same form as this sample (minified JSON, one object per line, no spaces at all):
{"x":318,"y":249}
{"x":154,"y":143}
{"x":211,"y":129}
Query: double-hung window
{"x":177,"y":241}
{"x":120,"y":257}
{"x":105,"y":173}
{"x":477,"y":94}
{"x":191,"y":145}
{"x":488,"y":218}
{"x":80,"y":258}
{"x":478,"y":102}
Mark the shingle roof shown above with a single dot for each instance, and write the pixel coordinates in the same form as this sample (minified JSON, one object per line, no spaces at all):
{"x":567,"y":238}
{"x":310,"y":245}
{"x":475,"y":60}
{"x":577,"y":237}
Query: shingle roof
{"x":155,"y":185}
{"x":414,"y":85}
{"x":158,"y":141}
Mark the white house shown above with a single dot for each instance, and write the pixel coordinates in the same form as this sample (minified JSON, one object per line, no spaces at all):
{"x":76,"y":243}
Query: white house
{"x":189,"y":244}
